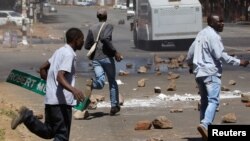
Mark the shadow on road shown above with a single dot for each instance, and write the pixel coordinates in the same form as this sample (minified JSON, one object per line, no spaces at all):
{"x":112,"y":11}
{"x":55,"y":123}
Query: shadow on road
{"x":193,"y":138}
{"x":97,"y":115}
{"x":50,"y":19}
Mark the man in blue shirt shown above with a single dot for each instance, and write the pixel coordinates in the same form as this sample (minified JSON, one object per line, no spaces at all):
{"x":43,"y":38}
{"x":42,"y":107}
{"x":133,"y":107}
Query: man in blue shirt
{"x":205,"y":60}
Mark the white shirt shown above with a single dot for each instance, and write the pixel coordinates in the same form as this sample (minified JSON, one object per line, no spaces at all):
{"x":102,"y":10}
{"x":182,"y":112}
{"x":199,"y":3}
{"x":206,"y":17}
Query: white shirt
{"x":64,"y":59}
{"x":207,"y":52}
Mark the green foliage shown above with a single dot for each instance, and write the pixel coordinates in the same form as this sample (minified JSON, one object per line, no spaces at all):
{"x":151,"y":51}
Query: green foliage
{"x":7,"y":4}
{"x":2,"y":133}
{"x":8,"y":113}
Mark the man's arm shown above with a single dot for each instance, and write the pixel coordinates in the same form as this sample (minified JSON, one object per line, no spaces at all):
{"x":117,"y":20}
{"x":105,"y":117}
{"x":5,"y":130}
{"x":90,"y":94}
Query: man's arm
{"x":62,"y":80}
{"x":106,"y":39}
{"x":189,"y":57}
{"x":89,"y":40}
{"x":44,"y":70}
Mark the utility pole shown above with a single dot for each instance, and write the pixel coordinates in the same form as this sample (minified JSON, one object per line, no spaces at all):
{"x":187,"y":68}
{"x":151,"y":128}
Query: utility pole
{"x":24,"y":25}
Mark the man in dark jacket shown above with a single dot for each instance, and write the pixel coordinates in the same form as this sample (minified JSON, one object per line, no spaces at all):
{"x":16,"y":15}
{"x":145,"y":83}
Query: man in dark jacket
{"x":103,"y":58}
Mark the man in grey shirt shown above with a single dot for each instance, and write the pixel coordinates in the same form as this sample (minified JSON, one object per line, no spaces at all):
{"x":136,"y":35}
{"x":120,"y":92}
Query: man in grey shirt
{"x":103,"y":58}
{"x":205,"y":60}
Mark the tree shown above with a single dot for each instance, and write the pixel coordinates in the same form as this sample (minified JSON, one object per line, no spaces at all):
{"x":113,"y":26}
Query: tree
{"x":7,"y":4}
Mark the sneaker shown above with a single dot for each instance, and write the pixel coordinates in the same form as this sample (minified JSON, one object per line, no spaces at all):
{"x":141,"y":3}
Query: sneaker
{"x":114,"y":110}
{"x":203,"y":132}
{"x":19,"y":118}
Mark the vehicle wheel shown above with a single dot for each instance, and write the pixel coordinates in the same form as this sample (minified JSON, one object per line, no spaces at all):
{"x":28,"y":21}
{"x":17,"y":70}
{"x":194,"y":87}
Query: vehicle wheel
{"x":135,"y":38}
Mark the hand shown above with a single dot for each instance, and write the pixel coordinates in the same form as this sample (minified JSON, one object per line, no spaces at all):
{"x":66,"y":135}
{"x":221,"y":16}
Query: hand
{"x":118,"y":57}
{"x":78,"y":95}
{"x":190,"y":70}
{"x":244,"y":63}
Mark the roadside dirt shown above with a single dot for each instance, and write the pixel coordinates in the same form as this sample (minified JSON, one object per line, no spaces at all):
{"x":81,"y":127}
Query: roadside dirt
{"x":8,"y":103}
{"x":8,"y":108}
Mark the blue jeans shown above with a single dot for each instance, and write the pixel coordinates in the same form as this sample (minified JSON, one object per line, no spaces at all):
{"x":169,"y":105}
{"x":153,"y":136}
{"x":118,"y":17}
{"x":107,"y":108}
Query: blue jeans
{"x":102,"y":67}
{"x":209,"y":87}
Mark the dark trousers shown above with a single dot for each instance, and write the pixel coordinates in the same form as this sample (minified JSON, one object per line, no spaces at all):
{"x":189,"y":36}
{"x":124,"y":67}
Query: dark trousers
{"x":56,"y":125}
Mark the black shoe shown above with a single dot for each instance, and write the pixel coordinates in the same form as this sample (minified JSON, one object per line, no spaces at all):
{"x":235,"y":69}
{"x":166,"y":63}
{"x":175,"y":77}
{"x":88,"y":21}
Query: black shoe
{"x":19,"y":118}
{"x":114,"y":110}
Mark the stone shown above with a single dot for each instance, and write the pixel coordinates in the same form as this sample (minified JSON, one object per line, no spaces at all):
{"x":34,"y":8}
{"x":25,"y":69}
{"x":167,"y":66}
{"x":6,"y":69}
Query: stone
{"x":172,"y":75}
{"x":224,"y":88}
{"x":158,"y":73}
{"x":162,"y":122}
{"x":232,"y":82}
{"x":142,"y":69}
{"x":157,"y":89}
{"x":157,"y":59}
{"x":80,"y":115}
{"x":248,"y":104}
{"x":245,"y":97}
{"x":143,"y":125}
{"x":180,"y":110}
{"x":129,"y":66}
{"x":172,"y":86}
{"x":141,"y":83}
{"x":229,"y":118}
{"x":123,"y":73}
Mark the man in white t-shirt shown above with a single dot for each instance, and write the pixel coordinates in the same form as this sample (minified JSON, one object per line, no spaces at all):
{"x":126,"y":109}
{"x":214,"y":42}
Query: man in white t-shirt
{"x":61,"y":95}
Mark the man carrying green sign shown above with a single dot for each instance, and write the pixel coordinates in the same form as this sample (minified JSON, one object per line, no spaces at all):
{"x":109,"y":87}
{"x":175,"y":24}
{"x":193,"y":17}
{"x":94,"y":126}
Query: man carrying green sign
{"x":61,"y":95}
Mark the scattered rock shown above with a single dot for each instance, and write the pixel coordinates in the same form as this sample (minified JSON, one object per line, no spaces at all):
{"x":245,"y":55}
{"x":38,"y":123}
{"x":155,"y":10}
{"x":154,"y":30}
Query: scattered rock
{"x":162,"y":122}
{"x":98,"y":98}
{"x":143,"y":125}
{"x":158,"y":73}
{"x":245,"y":97}
{"x":181,"y":58}
{"x":229,"y":118}
{"x":176,"y":110}
{"x":79,"y":115}
{"x":157,"y":89}
{"x":224,"y":88}
{"x":142,"y":69}
{"x":172,"y":75}
{"x":248,"y":104}
{"x":157,"y":59}
{"x":172,"y":86}
{"x":141,"y":83}
{"x":123,"y":73}
{"x":129,"y":66}
{"x":232,"y":82}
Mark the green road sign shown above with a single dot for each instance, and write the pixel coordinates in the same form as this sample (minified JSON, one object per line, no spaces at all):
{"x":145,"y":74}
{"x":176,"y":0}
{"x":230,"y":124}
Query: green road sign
{"x":37,"y":85}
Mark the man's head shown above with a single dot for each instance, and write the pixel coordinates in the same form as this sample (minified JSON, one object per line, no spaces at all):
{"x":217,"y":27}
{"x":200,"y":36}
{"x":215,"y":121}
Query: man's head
{"x":75,"y":38}
{"x":102,"y":14}
{"x":216,"y":22}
